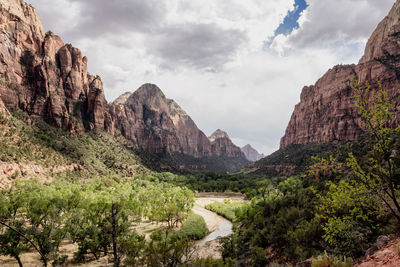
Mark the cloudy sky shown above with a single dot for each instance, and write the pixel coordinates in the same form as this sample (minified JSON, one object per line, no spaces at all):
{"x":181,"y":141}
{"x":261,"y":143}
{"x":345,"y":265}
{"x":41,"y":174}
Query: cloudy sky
{"x":238,"y":65}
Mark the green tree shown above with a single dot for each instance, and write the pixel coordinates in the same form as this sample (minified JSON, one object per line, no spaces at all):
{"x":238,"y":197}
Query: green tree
{"x":12,"y":240}
{"x":46,"y":210}
{"x":379,"y":170}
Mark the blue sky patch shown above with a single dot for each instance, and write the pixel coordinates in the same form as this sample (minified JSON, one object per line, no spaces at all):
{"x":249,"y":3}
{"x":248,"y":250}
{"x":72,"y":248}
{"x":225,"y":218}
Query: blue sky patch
{"x":291,"y":20}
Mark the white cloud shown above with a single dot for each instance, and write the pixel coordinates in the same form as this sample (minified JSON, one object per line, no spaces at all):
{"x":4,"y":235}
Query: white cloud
{"x":327,"y":22}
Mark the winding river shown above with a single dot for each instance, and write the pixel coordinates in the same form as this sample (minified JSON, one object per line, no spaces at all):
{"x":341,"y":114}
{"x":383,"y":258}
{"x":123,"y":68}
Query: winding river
{"x":218,"y":226}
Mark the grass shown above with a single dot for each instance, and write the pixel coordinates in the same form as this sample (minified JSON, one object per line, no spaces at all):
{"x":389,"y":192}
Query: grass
{"x":194,"y":227}
{"x":227,"y":209}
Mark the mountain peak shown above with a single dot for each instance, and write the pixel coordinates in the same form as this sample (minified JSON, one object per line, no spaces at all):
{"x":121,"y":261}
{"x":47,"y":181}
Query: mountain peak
{"x":149,"y":90}
{"x":251,"y":153}
{"x":218,"y":134}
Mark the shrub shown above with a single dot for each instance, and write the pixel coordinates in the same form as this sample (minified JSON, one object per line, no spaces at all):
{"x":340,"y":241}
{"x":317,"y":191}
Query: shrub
{"x":194,"y":227}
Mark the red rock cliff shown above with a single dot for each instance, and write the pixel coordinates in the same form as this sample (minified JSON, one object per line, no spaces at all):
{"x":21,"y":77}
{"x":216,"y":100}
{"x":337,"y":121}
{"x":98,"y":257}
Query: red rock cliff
{"x":326,"y":111}
{"x":42,"y":76}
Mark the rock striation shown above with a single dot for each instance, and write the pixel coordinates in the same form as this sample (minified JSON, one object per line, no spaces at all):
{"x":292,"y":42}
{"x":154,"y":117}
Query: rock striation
{"x":327,"y":111}
{"x":42,"y":76}
{"x":251,"y":153}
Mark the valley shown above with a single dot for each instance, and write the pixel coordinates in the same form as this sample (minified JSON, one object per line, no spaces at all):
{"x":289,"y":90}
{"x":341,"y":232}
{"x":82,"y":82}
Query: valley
{"x":136,"y":182}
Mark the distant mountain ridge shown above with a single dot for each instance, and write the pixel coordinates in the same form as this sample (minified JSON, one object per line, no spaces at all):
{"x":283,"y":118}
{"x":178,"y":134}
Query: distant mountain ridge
{"x":327,"y":111}
{"x":251,"y":153}
{"x":43,"y":77}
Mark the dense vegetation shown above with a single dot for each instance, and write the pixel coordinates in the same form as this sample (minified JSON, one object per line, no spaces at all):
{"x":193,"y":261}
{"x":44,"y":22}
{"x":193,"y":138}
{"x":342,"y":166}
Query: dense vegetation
{"x":339,"y":205}
{"x":227,"y":208}
{"x":98,"y":216}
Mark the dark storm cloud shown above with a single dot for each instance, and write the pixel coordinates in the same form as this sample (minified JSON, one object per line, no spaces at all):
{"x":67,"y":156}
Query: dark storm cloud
{"x":202,"y":46}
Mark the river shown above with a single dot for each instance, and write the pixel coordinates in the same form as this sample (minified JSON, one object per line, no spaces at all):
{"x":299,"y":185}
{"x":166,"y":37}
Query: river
{"x":218,"y":226}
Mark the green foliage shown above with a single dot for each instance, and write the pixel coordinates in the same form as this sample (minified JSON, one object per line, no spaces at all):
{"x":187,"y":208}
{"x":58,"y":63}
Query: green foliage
{"x":355,"y":208}
{"x":168,"y":249}
{"x":227,"y":209}
{"x":194,"y":227}
{"x":326,"y":261}
{"x":379,"y":170}
{"x":282,"y":221}
{"x":96,"y":215}
{"x":49,"y":33}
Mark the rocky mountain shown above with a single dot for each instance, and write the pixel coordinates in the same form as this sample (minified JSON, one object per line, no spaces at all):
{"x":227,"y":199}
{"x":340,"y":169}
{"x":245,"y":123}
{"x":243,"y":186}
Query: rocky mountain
{"x":160,"y":126}
{"x":327,"y":111}
{"x":251,"y":153}
{"x":43,"y":77}
{"x":222,"y":146}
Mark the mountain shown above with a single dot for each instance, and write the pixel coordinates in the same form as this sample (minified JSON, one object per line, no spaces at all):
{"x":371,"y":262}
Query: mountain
{"x":327,"y":111}
{"x":160,"y":126}
{"x":222,"y":146}
{"x":45,"y":78}
{"x":251,"y":153}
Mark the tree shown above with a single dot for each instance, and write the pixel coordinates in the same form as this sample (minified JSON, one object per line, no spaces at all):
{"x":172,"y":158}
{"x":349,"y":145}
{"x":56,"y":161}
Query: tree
{"x":379,"y":170}
{"x":353,"y":208}
{"x":46,"y":210}
{"x":12,"y":240}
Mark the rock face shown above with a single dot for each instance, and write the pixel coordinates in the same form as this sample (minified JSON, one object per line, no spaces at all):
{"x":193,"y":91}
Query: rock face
{"x":160,"y":126}
{"x":222,"y":146}
{"x":42,"y":76}
{"x":327,"y":111}
{"x":3,"y":110}
{"x":251,"y":153}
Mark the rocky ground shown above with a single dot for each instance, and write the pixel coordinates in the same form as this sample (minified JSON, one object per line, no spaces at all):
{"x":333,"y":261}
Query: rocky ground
{"x":386,"y":256}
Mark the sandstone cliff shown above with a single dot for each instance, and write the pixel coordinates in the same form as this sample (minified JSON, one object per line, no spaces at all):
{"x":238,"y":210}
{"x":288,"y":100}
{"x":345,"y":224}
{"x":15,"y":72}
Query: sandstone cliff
{"x":251,"y":153}
{"x":326,"y":111}
{"x":42,"y":76}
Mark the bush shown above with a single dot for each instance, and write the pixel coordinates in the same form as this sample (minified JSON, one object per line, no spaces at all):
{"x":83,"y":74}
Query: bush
{"x":227,"y":209}
{"x":194,"y":227}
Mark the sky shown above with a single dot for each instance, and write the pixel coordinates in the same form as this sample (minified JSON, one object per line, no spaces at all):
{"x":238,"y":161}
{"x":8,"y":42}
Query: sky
{"x":233,"y":65}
